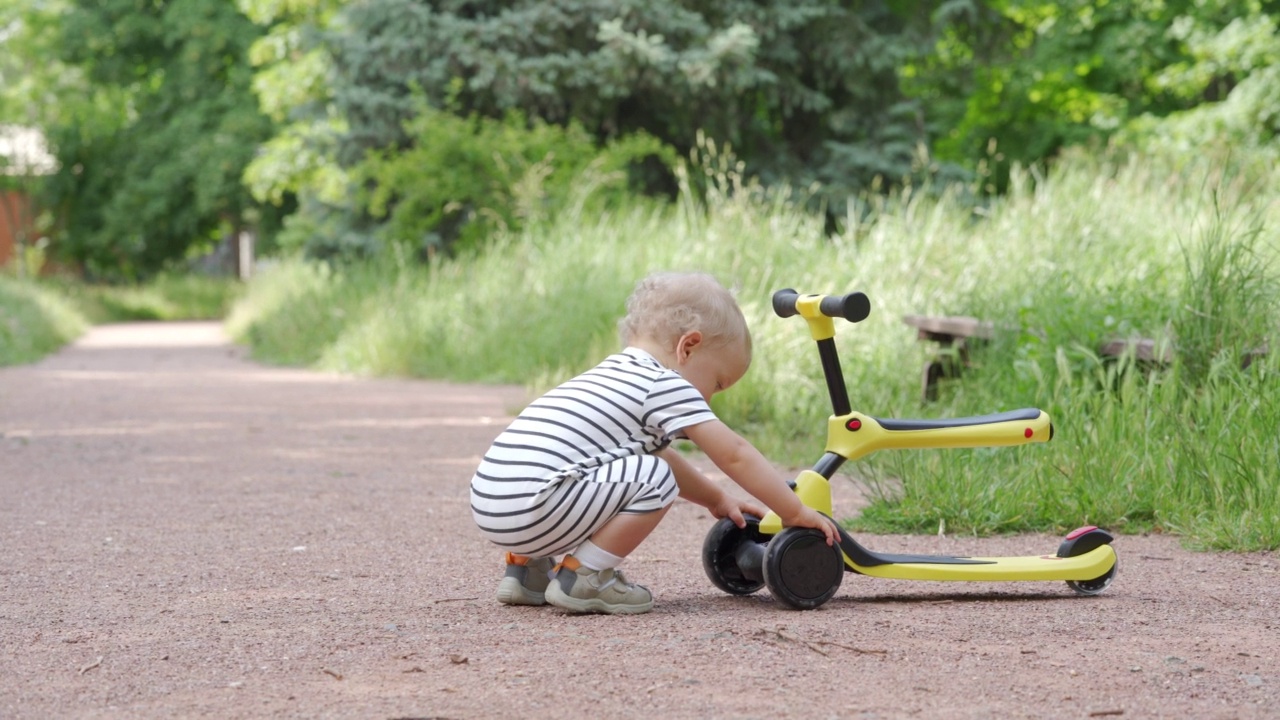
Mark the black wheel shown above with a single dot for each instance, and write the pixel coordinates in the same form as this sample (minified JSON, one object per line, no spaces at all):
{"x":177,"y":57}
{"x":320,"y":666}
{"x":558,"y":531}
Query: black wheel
{"x":732,"y":556}
{"x":1081,"y":541}
{"x":1096,"y":585}
{"x":801,"y":570}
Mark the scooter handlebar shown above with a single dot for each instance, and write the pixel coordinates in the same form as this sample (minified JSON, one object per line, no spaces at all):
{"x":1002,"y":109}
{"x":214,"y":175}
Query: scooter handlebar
{"x":854,"y":307}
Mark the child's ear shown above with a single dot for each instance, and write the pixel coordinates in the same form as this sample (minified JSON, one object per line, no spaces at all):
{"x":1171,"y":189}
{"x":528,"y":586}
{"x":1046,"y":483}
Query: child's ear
{"x":687,"y":343}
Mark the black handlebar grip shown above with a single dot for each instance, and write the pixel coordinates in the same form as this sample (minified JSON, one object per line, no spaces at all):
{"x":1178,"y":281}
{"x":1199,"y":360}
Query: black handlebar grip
{"x":784,"y":302}
{"x":854,"y":307}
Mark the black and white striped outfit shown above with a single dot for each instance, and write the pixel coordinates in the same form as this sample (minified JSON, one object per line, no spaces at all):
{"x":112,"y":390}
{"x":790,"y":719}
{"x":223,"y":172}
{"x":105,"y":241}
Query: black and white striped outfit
{"x":582,"y":453}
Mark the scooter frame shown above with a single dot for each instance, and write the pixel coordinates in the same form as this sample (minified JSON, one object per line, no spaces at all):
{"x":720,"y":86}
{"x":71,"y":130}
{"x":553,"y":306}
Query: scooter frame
{"x":797,"y":565}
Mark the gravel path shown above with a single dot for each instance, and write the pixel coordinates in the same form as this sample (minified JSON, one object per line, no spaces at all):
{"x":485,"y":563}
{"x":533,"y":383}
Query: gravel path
{"x":189,"y":534}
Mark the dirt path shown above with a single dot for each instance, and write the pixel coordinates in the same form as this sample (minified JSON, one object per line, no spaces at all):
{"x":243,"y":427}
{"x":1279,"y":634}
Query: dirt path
{"x":187,"y":534}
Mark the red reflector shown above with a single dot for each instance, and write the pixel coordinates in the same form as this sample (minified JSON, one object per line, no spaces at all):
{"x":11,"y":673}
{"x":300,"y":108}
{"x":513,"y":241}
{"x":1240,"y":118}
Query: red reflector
{"x":1080,"y":531}
{"x":1029,"y":432}
{"x":854,"y":424}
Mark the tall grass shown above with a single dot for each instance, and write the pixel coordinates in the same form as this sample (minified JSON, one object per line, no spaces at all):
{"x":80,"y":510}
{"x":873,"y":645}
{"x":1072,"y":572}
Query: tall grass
{"x":34,"y":321}
{"x":1092,"y":250}
{"x":1189,"y":448}
{"x":37,"y":317}
{"x":169,"y":296}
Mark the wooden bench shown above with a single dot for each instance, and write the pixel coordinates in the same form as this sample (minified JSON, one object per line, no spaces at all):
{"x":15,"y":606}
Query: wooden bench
{"x":1143,"y":350}
{"x":1151,"y":355}
{"x":955,"y":334}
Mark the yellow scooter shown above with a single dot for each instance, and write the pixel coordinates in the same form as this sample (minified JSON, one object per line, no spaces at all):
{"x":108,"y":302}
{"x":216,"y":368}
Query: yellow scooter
{"x":797,"y":565}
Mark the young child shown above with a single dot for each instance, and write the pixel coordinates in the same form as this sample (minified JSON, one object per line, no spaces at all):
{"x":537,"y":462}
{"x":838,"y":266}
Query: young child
{"x":588,"y":469}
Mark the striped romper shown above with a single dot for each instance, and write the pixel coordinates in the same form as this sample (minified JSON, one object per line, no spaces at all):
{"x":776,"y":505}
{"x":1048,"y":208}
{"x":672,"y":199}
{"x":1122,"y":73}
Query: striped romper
{"x":582,"y":454}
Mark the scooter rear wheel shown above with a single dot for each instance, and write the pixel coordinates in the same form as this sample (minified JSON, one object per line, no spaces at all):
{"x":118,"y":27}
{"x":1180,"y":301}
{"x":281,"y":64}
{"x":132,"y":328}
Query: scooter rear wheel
{"x":1096,"y":585}
{"x":801,"y":570}
{"x":1081,"y":541}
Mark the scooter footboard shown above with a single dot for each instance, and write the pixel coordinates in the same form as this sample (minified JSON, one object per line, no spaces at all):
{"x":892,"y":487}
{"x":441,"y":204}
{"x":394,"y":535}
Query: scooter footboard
{"x":1088,"y":566}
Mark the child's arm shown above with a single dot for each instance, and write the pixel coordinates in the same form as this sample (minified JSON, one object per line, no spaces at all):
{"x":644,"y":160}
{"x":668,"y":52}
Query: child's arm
{"x":698,"y":488}
{"x":745,"y":465}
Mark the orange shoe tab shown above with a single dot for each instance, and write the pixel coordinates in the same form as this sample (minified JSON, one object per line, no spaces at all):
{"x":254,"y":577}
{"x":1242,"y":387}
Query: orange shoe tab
{"x":570,"y":562}
{"x":514,"y":559}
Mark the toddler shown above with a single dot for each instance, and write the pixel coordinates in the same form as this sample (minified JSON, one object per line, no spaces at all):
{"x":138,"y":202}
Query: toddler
{"x":588,"y":469}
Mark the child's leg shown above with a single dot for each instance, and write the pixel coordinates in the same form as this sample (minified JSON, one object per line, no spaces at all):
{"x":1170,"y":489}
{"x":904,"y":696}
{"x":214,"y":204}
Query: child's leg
{"x":633,"y":491}
{"x":629,"y":495}
{"x":624,"y":533}
{"x":587,"y":581}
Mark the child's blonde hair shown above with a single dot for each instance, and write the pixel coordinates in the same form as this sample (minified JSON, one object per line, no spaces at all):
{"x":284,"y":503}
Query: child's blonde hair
{"x":666,"y":305}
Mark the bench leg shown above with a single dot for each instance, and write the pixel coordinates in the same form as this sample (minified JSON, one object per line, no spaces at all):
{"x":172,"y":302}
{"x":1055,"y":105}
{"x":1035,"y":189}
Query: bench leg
{"x":933,"y":371}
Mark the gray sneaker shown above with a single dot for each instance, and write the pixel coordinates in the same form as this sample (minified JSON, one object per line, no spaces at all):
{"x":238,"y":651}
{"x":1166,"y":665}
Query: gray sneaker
{"x":525,"y":581}
{"x":582,"y":590}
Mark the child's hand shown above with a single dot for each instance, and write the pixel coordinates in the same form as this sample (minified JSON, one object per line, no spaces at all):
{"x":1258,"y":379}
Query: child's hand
{"x":733,"y":508}
{"x":810,"y":518}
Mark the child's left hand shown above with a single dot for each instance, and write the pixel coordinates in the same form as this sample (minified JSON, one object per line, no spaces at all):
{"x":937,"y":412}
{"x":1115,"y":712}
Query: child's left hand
{"x":733,"y":508}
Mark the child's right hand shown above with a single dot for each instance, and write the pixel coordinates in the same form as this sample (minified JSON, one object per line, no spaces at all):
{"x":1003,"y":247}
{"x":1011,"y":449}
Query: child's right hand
{"x":810,"y":518}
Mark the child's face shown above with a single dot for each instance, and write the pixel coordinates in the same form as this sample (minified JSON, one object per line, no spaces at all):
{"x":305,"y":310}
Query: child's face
{"x":711,"y":368}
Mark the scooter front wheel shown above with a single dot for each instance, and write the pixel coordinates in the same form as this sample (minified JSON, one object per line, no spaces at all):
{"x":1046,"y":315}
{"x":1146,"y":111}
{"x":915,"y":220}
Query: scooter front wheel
{"x":732,"y":556}
{"x":801,"y":570}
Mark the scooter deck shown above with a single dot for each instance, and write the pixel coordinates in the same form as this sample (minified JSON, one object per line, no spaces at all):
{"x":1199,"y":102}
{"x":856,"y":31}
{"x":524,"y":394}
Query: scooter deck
{"x":1090,"y":565}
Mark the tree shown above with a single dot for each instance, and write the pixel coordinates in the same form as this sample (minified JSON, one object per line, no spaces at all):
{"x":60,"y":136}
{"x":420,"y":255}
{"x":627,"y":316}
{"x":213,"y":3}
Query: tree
{"x":1230,"y":77}
{"x":1036,"y":76}
{"x":157,"y":170}
{"x":28,"y":88}
{"x":298,"y":164}
{"x":292,"y":84}
{"x":804,"y":90}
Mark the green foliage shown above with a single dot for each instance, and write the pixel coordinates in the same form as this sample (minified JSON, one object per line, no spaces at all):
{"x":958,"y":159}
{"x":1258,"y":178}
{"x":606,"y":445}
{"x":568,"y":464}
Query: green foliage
{"x":291,"y":82}
{"x":303,"y":309}
{"x":1237,"y":66}
{"x":162,"y":174}
{"x":34,"y":321}
{"x":1100,"y":248}
{"x":465,"y":179}
{"x":298,"y":165}
{"x":39,"y":316}
{"x":34,"y":87}
{"x":30,"y":78}
{"x":806,"y":91}
{"x":1037,"y":76}
{"x":167,"y":296}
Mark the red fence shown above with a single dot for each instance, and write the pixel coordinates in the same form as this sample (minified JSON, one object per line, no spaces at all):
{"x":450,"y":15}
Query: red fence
{"x":15,"y":214}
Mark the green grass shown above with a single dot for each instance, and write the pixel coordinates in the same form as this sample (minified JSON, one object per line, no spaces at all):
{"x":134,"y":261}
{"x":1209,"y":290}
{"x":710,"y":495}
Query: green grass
{"x":1094,"y":249}
{"x":34,"y":321}
{"x":39,"y":316}
{"x":171,"y":296}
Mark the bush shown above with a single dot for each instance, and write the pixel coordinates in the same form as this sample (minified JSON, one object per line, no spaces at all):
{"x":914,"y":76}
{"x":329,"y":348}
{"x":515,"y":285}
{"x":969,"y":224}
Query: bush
{"x":466,"y":178}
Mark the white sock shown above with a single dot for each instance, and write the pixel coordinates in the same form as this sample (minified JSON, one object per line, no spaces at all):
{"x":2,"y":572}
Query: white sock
{"x":594,"y":558}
